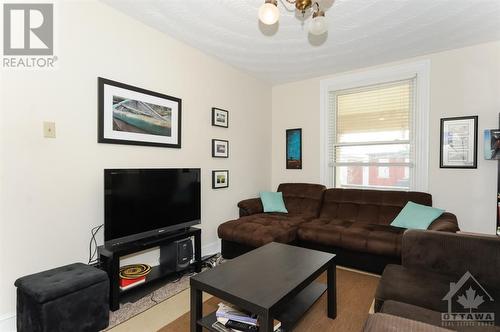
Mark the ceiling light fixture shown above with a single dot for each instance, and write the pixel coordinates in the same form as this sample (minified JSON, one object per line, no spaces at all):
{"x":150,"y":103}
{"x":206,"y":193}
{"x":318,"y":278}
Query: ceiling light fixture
{"x":269,"y":14}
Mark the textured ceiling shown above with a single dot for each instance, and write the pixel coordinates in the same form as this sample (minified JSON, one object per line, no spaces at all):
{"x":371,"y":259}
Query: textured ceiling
{"x":361,"y":32}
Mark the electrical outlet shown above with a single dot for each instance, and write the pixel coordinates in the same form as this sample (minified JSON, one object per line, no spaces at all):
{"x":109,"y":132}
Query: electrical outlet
{"x":49,"y":129}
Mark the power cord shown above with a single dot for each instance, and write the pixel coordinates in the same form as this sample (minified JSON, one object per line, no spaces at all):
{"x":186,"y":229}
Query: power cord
{"x":93,"y":241}
{"x":152,"y":298}
{"x":209,"y":261}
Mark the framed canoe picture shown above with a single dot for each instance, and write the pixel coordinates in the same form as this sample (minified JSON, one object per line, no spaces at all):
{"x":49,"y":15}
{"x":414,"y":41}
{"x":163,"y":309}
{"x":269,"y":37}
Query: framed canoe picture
{"x":294,"y":148}
{"x":131,"y":115}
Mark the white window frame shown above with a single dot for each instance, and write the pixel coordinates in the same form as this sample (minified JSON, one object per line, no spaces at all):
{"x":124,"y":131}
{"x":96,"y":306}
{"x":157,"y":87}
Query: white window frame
{"x":420,"y":69}
{"x":385,"y":168}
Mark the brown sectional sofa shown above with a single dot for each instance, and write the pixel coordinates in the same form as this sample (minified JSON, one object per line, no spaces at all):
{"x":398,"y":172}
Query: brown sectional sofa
{"x":432,"y":264}
{"x":352,"y":223}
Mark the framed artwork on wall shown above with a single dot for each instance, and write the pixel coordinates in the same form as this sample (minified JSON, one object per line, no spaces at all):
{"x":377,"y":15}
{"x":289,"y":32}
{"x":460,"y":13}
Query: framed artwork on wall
{"x":220,"y":148}
{"x":458,"y":137}
{"x":135,"y":116}
{"x":220,"y":117}
{"x":492,"y":144}
{"x":220,"y":179}
{"x":294,"y":148}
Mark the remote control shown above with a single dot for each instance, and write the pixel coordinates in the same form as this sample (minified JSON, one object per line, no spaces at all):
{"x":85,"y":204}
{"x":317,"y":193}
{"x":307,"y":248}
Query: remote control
{"x":241,"y":326}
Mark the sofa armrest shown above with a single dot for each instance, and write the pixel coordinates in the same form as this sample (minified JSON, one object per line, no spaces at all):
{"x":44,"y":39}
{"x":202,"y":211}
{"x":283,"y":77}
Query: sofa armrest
{"x":452,"y":254}
{"x":447,"y":222}
{"x":250,"y":206}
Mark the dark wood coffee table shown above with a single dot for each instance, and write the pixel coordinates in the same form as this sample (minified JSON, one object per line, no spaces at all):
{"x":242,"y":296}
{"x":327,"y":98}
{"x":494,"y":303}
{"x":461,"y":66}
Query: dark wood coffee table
{"x":275,"y":281}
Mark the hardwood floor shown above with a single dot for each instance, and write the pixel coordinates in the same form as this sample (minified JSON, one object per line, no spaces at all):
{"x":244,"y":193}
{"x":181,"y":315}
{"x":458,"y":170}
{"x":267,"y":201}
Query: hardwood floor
{"x":355,"y":293}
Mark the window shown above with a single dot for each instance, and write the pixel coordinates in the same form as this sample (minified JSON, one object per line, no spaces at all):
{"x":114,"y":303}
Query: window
{"x":383,"y":171}
{"x":374,"y":128}
{"x":371,"y":135}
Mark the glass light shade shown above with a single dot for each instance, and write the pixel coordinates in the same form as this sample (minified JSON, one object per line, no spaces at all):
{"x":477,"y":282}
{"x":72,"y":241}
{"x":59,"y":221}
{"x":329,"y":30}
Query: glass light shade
{"x":269,"y":13}
{"x":318,"y":25}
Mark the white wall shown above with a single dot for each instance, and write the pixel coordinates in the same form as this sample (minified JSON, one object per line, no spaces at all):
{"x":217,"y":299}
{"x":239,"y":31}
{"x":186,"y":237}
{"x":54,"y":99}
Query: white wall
{"x":52,"y":189}
{"x":463,"y":82}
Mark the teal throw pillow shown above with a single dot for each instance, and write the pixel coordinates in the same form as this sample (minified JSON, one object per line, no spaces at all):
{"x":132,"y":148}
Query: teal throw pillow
{"x":273,"y":202}
{"x":416,"y":216}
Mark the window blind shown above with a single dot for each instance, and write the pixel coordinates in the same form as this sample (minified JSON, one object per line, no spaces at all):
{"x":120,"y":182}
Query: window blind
{"x":369,"y":128}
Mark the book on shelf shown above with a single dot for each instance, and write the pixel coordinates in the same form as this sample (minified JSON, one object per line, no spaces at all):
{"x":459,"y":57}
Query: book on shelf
{"x":230,"y":312}
{"x":239,"y":320}
{"x":130,"y":283}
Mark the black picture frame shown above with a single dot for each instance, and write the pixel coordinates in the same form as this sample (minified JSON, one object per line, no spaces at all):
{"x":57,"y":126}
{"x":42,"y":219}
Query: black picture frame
{"x":444,"y":162}
{"x":215,"y":123}
{"x":214,"y":179}
{"x":102,"y":83}
{"x":294,"y":148}
{"x":215,"y":153}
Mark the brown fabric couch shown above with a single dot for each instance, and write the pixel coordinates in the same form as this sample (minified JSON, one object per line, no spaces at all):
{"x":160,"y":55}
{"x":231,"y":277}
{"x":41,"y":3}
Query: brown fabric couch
{"x":255,"y":228}
{"x":352,"y":223}
{"x":380,"y":322}
{"x":432,"y":263}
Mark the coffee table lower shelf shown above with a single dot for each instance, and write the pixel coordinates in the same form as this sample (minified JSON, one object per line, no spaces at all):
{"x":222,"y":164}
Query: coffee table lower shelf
{"x":290,"y":313}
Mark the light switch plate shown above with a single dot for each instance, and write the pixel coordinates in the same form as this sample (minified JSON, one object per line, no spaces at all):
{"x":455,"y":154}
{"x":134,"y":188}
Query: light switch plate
{"x":49,"y":129}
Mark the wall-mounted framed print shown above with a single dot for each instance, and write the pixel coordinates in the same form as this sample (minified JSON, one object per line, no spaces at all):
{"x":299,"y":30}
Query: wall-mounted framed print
{"x":220,"y":179}
{"x":492,"y":144}
{"x":458,"y":142}
{"x":135,"y":116}
{"x":220,"y":117}
{"x":220,"y":148}
{"x":294,"y":148}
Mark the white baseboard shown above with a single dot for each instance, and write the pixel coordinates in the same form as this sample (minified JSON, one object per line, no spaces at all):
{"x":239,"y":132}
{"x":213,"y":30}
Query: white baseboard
{"x":210,"y":248}
{"x":8,"y":323}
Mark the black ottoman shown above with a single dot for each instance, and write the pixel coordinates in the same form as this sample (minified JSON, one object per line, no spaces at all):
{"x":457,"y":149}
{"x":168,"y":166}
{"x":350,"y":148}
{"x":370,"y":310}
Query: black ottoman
{"x":69,"y":298}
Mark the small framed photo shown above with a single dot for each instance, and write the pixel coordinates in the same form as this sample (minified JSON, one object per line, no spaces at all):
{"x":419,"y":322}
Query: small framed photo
{"x":220,"y":179}
{"x":458,"y":142}
{"x":294,"y":148}
{"x":220,"y":117}
{"x":220,"y":148}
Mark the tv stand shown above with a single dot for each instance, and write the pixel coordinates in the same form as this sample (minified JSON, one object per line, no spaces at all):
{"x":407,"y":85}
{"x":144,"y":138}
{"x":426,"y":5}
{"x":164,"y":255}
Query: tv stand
{"x":109,"y":257}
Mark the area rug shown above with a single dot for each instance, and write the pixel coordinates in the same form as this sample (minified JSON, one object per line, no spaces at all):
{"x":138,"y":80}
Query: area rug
{"x":153,"y":294}
{"x":355,"y":292}
{"x":142,"y":303}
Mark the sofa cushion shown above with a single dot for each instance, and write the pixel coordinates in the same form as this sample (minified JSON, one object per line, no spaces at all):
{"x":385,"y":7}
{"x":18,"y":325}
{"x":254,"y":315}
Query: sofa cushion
{"x":411,"y":311}
{"x":372,"y":238}
{"x":389,"y":323}
{"x":416,"y":216}
{"x":368,"y":206}
{"x":273,"y":202}
{"x":302,"y":198}
{"x":259,"y":229}
{"x":428,"y":316}
{"x":418,"y":287}
{"x":453,"y":254}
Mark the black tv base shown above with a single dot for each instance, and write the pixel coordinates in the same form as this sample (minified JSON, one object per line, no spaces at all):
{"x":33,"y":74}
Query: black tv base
{"x":109,"y":257}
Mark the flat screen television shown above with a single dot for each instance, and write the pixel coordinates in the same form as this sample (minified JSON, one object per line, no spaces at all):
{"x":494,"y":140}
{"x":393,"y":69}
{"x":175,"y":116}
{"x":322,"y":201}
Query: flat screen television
{"x":140,"y":203}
